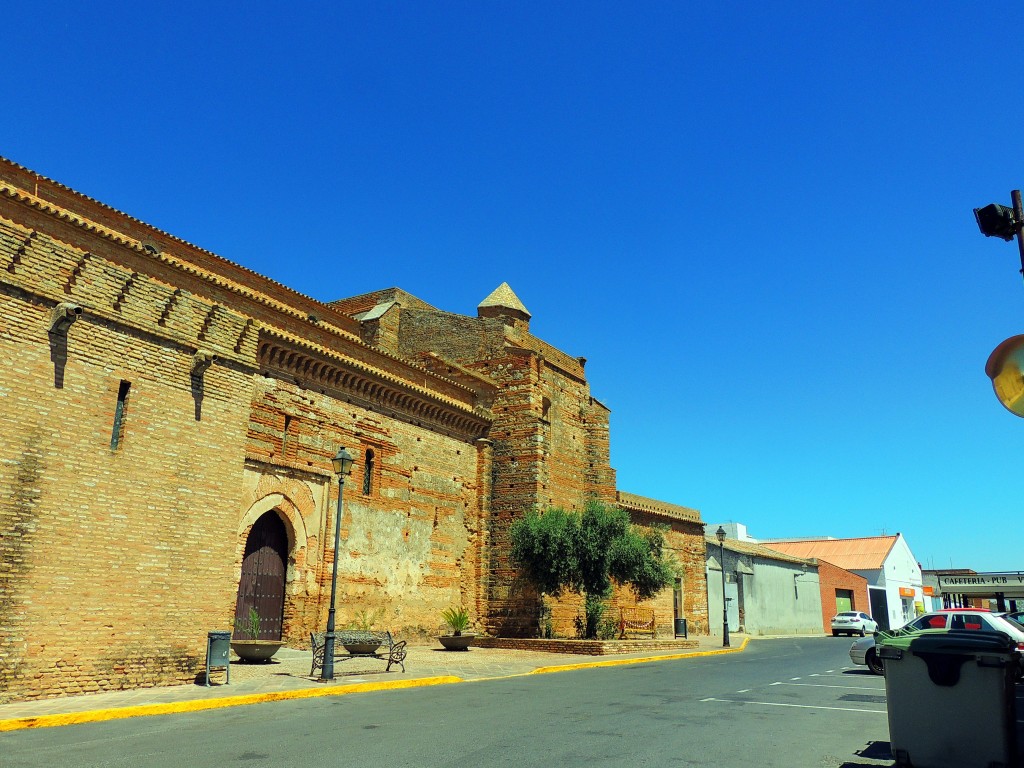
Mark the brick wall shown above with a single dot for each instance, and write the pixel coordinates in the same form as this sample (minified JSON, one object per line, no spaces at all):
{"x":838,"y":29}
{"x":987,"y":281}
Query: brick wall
{"x":96,"y":595}
{"x":833,"y":578}
{"x":404,"y":547}
{"x":116,"y":562}
{"x":550,"y":438}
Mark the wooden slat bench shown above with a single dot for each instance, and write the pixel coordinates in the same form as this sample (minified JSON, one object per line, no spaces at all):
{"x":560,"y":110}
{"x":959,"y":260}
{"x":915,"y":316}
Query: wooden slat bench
{"x":636,"y":620}
{"x":389,"y":651}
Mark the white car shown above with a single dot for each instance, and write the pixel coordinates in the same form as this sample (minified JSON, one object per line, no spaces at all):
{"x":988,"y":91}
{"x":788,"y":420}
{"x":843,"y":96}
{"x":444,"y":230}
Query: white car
{"x":853,"y":622}
{"x":961,"y":619}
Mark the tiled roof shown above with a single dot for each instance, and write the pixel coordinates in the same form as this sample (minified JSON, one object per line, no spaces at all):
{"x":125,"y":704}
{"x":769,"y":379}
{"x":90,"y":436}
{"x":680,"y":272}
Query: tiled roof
{"x":327,"y":321}
{"x":757,"y":550}
{"x":630,"y":501}
{"x":52,"y":197}
{"x":865,"y":554}
{"x":376,"y":312}
{"x":503,"y":296}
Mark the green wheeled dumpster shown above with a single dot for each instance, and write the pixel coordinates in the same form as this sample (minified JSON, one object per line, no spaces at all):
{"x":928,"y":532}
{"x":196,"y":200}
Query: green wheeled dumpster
{"x":950,"y":699}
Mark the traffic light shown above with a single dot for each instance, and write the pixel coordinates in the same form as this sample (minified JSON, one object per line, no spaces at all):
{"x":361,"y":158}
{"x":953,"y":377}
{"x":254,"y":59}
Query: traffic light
{"x":996,"y":220}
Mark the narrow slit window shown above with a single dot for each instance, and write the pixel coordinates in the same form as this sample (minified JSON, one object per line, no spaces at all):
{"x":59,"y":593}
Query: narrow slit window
{"x":368,"y":473}
{"x":120,"y":413}
{"x":284,"y":435}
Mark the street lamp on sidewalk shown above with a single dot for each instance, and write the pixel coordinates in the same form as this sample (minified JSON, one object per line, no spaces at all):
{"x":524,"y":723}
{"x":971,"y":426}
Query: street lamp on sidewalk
{"x":342,"y":462}
{"x":720,"y":535}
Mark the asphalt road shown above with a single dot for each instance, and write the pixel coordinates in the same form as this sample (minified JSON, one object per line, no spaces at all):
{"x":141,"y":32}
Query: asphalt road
{"x":783,"y":702}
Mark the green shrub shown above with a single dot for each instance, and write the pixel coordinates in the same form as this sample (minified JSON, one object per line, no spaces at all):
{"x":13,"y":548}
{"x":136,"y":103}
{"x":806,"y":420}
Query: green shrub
{"x":456,"y":618}
{"x":248,"y":628}
{"x":586,"y":553}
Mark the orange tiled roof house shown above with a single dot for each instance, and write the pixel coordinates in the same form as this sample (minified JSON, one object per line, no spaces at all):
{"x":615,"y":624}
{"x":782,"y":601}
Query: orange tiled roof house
{"x":890,"y":570}
{"x":170,"y":423}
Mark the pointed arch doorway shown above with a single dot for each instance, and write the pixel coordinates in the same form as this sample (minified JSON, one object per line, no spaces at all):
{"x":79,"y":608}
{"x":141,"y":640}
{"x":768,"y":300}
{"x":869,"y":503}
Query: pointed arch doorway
{"x":264,"y":567}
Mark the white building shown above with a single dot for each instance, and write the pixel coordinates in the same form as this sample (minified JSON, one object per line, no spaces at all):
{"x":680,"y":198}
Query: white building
{"x":767,"y":592}
{"x":894,"y":577}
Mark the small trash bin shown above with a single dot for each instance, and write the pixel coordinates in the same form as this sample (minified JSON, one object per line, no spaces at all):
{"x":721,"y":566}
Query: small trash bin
{"x":218,"y":653}
{"x":950,"y":698}
{"x":681,"y":628}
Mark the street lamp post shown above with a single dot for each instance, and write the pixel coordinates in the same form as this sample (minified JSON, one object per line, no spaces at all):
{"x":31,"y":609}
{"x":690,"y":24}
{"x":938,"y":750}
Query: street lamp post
{"x":1005,"y":365}
{"x":342,"y":462}
{"x":720,"y":535}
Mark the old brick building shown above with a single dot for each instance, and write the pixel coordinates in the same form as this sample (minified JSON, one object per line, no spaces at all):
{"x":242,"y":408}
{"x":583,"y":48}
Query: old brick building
{"x":171,"y":417}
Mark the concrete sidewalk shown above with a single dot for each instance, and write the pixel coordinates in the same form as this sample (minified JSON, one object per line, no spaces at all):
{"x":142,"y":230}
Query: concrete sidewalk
{"x":287,"y":677}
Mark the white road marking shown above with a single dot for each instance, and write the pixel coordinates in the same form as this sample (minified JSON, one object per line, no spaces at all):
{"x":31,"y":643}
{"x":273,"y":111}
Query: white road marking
{"x":745,"y":690}
{"x":798,"y":706}
{"x":823,"y":685}
{"x":845,"y":677}
{"x":794,"y":678}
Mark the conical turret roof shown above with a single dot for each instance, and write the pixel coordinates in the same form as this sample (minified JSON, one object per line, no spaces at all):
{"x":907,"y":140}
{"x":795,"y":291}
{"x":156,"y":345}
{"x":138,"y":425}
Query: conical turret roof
{"x":504,"y":297}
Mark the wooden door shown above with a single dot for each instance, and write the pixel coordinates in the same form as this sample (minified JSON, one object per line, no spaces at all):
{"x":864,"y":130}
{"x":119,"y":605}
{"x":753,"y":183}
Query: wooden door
{"x":263,"y":575}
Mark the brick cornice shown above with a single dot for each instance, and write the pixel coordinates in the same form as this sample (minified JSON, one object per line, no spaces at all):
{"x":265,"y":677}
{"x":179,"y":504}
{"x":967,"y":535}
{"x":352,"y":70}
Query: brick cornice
{"x":328,"y":331}
{"x":632,"y":502}
{"x":328,"y":370}
{"x":163,"y":257}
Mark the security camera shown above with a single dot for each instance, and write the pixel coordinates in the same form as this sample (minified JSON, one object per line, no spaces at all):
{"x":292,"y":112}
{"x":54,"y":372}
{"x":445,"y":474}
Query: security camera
{"x":63,"y":315}
{"x":202,"y":360}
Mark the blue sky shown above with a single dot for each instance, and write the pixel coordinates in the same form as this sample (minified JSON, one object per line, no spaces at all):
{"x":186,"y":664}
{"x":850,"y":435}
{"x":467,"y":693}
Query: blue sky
{"x":755,"y":222}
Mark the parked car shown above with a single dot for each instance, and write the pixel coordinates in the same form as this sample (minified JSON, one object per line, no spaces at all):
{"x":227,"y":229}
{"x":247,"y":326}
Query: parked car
{"x":1017,"y":616}
{"x":853,"y":622}
{"x":863,"y":650}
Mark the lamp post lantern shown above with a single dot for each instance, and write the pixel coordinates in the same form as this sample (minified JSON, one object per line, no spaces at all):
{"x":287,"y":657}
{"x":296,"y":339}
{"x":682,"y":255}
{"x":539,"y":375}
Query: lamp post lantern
{"x":720,"y":535}
{"x":342,"y":462}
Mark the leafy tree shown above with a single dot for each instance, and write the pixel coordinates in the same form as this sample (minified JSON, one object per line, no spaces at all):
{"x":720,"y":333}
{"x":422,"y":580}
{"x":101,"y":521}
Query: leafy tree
{"x":586,"y":553}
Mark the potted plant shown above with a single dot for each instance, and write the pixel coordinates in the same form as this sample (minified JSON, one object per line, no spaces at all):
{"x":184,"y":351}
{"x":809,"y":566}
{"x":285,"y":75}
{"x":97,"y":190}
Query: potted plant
{"x":456,"y":618}
{"x":248,"y":646}
{"x":359,"y":637}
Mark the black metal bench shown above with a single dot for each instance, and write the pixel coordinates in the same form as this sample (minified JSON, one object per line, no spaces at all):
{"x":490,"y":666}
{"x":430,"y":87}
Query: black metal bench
{"x":389,"y":650}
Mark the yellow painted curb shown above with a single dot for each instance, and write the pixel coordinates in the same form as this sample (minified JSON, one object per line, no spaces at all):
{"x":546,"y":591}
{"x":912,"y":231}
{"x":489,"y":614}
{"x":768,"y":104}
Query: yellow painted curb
{"x":197,"y":705}
{"x":644,"y":660}
{"x":146,"y":710}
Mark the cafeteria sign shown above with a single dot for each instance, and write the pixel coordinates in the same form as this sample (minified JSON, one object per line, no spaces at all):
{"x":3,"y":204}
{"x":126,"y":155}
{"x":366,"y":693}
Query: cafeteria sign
{"x":982,"y":583}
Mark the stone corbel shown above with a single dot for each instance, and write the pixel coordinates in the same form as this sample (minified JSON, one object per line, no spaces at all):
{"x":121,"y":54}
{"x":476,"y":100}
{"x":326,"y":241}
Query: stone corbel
{"x":62,"y":316}
{"x":202,"y":360}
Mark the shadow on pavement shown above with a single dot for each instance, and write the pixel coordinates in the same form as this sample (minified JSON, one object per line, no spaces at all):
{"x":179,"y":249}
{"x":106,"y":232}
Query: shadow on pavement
{"x":860,"y":672}
{"x":874,"y":751}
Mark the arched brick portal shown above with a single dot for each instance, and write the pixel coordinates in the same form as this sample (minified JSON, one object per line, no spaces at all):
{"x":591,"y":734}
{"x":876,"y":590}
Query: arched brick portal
{"x":292,"y":508}
{"x":261,"y":586}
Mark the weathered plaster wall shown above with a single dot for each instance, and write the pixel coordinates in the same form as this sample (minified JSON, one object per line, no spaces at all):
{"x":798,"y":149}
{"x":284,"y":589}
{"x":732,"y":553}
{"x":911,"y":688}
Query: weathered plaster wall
{"x":778,"y":598}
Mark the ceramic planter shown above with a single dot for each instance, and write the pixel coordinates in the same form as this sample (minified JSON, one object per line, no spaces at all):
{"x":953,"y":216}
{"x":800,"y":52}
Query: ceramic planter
{"x":255,"y":651}
{"x":456,"y":642}
{"x":358,"y":641}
